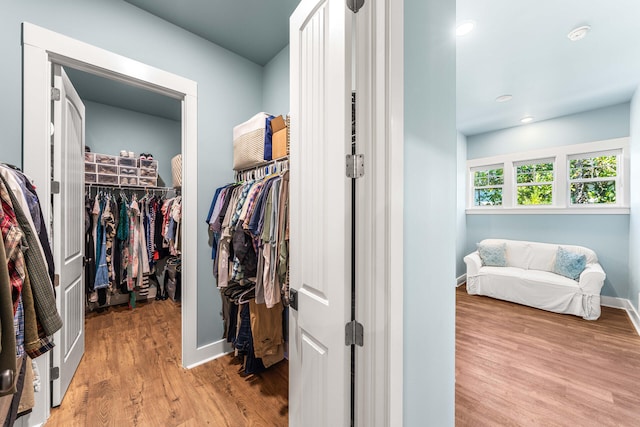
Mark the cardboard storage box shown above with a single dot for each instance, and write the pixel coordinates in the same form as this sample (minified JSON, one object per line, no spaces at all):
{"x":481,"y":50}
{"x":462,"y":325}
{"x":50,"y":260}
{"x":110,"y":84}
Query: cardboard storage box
{"x":279,"y":138}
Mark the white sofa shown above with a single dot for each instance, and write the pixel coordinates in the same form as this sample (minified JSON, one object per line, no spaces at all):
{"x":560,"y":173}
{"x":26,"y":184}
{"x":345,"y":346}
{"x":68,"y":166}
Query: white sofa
{"x":528,"y":278}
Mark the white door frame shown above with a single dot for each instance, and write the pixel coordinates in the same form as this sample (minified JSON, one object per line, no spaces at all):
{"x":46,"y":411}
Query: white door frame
{"x":379,"y":212}
{"x":41,"y":48}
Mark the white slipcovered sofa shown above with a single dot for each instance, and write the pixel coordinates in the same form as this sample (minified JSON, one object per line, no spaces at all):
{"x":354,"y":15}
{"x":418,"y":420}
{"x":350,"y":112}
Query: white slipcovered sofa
{"x":528,"y":276}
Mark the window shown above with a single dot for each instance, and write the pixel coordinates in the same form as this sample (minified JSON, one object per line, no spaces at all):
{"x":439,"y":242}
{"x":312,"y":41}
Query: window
{"x":535,"y":182}
{"x":487,"y":186}
{"x":593,"y":179}
{"x":588,"y":178}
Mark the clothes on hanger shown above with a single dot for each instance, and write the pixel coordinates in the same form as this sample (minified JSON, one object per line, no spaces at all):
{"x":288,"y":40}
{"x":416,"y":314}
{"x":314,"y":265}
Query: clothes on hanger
{"x":248,"y":221}
{"x":125,"y":236}
{"x":28,"y":315}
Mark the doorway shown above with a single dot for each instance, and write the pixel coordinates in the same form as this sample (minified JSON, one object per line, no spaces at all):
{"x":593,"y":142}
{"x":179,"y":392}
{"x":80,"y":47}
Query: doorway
{"x":42,"y":48}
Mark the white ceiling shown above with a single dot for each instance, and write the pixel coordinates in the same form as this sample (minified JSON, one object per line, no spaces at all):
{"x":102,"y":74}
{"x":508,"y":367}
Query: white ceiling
{"x":521,"y":48}
{"x":518,"y":47}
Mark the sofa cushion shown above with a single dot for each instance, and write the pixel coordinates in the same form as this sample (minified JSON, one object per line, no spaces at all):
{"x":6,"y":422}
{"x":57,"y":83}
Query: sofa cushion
{"x":543,"y":256}
{"x":493,"y":254}
{"x":569,"y":264}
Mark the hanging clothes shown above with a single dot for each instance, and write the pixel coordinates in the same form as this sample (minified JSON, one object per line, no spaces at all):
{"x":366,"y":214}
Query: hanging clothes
{"x":28,"y":317}
{"x":248,"y":224}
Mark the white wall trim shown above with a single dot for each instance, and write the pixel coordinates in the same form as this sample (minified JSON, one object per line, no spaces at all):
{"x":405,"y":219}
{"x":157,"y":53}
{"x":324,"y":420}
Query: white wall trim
{"x":624,"y":304}
{"x":461,"y":279}
{"x":379,"y":223}
{"x":41,"y":48}
{"x":210,"y":352}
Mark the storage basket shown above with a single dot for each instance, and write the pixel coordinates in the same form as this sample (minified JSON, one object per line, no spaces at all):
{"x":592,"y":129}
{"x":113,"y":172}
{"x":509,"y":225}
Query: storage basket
{"x":248,"y":142}
{"x":176,"y":171}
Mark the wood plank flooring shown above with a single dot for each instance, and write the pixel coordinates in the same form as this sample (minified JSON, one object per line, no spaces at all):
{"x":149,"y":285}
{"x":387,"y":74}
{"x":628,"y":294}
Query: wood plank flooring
{"x":515,"y":366}
{"x":131,"y":376}
{"x":519,"y":366}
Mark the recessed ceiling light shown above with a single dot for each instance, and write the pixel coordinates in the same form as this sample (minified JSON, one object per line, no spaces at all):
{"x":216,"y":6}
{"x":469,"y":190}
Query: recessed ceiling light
{"x":464,"y":28}
{"x":504,"y":98}
{"x":527,"y":119}
{"x":578,"y":33}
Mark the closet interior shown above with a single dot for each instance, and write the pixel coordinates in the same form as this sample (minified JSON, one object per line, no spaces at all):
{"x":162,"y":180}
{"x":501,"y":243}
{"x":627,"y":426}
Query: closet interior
{"x":249,"y":225}
{"x":133,"y":202}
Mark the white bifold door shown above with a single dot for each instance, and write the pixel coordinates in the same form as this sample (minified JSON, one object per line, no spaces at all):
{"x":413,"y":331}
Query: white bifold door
{"x":320,"y":234}
{"x":68,"y":229}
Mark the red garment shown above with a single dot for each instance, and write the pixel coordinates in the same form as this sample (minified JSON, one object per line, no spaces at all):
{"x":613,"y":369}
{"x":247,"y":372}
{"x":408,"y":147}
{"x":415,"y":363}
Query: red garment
{"x":12,"y":236}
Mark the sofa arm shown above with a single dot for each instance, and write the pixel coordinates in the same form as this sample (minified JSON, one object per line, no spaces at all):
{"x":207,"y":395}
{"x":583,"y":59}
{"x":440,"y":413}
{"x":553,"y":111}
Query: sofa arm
{"x":474,"y":263}
{"x":592,"y":279}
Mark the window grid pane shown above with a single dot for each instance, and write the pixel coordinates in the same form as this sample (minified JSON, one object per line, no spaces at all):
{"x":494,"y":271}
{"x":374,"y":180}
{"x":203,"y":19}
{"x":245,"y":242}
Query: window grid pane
{"x":592,"y":180}
{"x":529,"y":190}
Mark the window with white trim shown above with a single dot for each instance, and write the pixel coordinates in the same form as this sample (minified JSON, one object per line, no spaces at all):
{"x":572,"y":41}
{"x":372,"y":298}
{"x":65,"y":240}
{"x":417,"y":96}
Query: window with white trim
{"x":581,"y":178}
{"x":487,"y":186}
{"x":534,"y":182}
{"x":593,"y":178}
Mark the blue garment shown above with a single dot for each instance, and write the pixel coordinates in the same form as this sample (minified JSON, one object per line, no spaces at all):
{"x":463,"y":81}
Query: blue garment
{"x":102,"y":271}
{"x":213,"y":204}
{"x":268,"y":137}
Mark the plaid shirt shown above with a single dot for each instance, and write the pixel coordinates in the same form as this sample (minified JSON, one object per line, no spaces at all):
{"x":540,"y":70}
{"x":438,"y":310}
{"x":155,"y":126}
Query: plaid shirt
{"x":12,"y":235}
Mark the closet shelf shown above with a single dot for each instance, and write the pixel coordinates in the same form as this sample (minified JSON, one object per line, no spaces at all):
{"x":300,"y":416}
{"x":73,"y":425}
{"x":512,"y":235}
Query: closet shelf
{"x":129,"y":187}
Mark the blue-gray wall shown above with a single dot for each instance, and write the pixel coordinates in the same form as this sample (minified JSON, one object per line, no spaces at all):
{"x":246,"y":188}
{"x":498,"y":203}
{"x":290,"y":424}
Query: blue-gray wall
{"x":275,"y":84}
{"x":634,"y":217}
{"x":607,"y":235}
{"x":109,"y":129}
{"x":229,"y":92}
{"x":594,"y":125}
{"x":429,"y":212}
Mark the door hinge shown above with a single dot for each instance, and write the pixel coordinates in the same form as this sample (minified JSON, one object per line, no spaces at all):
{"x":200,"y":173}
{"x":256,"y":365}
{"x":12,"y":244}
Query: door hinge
{"x":354,"y":333}
{"x":55,"y":94}
{"x":55,"y":187}
{"x":54,"y":373}
{"x":355,"y":165}
{"x":293,"y":299}
{"x":355,"y":5}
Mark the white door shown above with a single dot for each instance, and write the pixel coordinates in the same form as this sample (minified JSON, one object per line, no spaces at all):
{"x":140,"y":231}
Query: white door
{"x":320,"y":233}
{"x":68,"y":231}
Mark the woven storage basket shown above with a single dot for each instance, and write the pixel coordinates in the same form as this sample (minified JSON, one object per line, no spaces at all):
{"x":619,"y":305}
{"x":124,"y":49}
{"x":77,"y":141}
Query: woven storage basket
{"x":248,"y":142}
{"x":176,"y":170}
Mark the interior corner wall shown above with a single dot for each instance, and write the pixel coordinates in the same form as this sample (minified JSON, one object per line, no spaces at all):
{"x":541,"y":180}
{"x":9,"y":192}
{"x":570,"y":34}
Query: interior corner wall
{"x":607,"y":235}
{"x":110,"y":129}
{"x":461,"y":216}
{"x":634,"y":217}
{"x":275,"y":84}
{"x":229,"y":92}
{"x":429,"y":212}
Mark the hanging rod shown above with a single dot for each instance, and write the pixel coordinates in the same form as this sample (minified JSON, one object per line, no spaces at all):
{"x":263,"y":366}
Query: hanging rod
{"x":129,"y":187}
{"x":264,"y":165}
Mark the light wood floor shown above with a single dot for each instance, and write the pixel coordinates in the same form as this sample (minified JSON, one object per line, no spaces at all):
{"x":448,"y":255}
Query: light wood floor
{"x":131,"y":376}
{"x":519,"y":366}
{"x":515,"y":366}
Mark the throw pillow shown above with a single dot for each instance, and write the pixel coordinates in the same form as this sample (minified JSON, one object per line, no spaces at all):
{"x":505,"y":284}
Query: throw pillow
{"x":493,"y":255}
{"x":569,"y":264}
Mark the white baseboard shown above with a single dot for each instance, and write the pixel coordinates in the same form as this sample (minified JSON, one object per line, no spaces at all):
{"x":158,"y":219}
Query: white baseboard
{"x":211,"y":352}
{"x":460,"y":280}
{"x":624,"y":304}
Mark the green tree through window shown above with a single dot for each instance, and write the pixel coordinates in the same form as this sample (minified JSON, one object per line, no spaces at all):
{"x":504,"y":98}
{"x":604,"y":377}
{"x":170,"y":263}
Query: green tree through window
{"x":535,"y":183}
{"x":593,"y":180}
